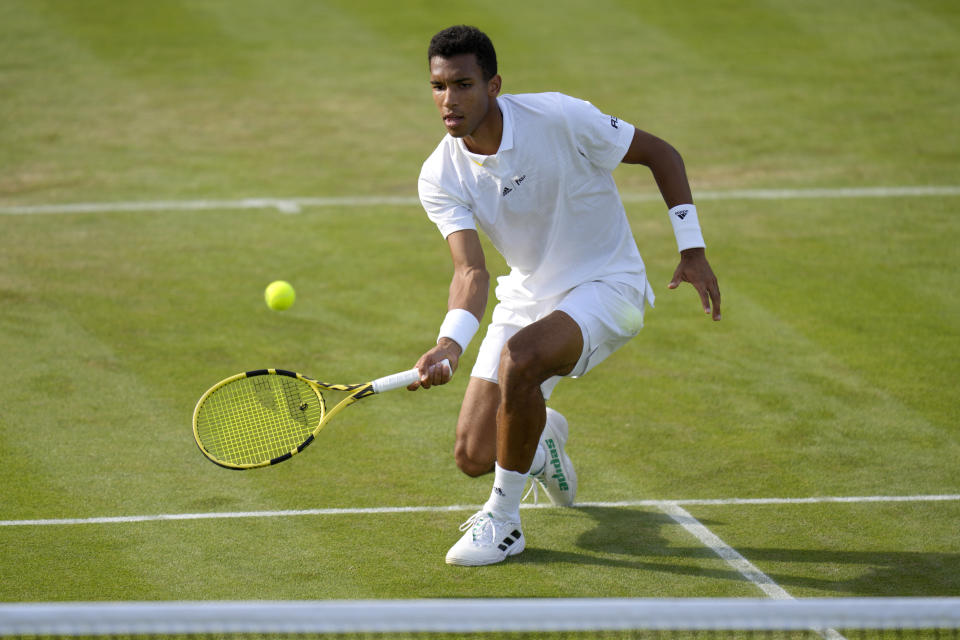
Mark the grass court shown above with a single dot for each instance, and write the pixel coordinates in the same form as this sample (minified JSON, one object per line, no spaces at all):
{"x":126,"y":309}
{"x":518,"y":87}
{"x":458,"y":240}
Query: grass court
{"x":833,"y":374}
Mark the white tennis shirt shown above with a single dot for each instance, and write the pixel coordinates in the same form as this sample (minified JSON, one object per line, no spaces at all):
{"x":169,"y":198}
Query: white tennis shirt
{"x":546,"y":200}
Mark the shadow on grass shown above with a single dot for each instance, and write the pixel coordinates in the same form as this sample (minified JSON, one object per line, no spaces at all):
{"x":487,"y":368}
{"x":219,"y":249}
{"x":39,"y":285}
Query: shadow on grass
{"x":631,"y":538}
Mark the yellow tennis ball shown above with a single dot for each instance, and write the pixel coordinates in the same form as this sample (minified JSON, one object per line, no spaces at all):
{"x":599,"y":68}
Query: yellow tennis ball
{"x":279,"y":295}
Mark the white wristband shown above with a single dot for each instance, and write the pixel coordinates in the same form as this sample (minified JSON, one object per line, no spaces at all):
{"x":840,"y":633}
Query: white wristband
{"x":686,"y":227}
{"x":459,"y":325}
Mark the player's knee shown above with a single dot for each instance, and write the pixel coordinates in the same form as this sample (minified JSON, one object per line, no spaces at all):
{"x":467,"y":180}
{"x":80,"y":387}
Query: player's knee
{"x":471,"y":460}
{"x":520,"y":366}
{"x":475,"y":449}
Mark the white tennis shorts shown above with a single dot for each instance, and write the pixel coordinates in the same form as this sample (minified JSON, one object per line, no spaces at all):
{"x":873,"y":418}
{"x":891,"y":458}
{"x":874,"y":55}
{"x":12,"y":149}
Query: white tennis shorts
{"x":609,"y":314}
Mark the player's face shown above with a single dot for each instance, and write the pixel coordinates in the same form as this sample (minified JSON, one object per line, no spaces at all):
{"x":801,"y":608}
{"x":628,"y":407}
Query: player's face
{"x":461,"y":94}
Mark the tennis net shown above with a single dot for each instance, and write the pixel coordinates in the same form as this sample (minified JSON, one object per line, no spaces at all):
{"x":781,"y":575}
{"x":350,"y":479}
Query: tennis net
{"x":546,"y":618}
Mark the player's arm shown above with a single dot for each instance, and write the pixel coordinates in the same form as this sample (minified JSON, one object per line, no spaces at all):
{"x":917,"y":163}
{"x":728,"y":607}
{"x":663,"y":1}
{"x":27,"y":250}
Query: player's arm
{"x":668,"y":170}
{"x":665,"y":163}
{"x":466,"y":304}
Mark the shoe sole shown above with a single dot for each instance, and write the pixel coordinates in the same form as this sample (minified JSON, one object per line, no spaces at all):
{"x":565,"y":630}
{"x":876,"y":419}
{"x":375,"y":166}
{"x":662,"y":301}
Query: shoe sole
{"x":570,"y":474}
{"x":472,"y":562}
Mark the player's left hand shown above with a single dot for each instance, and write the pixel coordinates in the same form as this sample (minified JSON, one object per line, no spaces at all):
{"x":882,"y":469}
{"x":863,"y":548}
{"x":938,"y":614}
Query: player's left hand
{"x":695,"y":269}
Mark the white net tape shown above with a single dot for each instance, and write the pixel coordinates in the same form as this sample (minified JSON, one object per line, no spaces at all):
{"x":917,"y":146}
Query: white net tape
{"x":463,"y":616}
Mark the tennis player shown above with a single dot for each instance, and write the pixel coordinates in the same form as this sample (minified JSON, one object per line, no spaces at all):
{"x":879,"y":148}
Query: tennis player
{"x":533,"y":172}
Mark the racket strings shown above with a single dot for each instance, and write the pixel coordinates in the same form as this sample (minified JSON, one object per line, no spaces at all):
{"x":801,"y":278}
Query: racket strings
{"x":255,"y":419}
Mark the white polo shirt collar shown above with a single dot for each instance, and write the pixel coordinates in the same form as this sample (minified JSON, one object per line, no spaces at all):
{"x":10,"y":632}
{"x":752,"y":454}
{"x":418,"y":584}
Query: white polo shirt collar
{"x":506,"y":139}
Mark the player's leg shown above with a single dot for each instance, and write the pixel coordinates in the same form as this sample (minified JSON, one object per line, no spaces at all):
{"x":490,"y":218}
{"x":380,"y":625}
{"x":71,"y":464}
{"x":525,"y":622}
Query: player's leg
{"x":549,"y":347}
{"x":475,"y":450}
{"x":606,"y":316}
{"x":546,"y":348}
{"x":609,"y":315}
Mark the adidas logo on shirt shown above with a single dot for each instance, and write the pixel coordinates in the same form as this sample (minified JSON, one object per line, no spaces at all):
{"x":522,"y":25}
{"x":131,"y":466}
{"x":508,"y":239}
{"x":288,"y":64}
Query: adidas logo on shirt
{"x":517,"y":181}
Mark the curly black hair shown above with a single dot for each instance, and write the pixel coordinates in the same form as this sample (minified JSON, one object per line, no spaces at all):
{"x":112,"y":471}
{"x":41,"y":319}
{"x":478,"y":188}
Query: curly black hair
{"x":463,"y":39}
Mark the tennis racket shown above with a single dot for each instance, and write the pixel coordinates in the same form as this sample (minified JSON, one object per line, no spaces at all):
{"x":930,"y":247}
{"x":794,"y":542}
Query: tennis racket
{"x":259,"y":418}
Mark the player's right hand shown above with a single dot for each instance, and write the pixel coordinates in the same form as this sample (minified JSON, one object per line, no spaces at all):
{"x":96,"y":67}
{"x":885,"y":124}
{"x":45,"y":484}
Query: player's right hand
{"x":433,"y":370}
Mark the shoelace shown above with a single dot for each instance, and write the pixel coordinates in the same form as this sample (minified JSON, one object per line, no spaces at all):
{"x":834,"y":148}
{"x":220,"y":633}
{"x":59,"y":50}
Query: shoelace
{"x":472,"y":520}
{"x":533,"y":485}
{"x":479,"y":522}
{"x":535,"y":489}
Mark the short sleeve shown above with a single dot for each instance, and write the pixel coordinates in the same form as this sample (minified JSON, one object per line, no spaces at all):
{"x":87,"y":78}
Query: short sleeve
{"x":444,"y":209}
{"x":602,"y":138}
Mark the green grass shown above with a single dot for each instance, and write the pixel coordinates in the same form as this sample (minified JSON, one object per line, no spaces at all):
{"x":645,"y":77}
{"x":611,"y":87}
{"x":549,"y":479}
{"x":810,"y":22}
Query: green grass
{"x":833,"y":373}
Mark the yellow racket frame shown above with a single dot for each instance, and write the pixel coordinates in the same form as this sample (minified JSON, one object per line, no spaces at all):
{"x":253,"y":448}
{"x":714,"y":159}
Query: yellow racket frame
{"x":262,"y":417}
{"x":265,"y":416}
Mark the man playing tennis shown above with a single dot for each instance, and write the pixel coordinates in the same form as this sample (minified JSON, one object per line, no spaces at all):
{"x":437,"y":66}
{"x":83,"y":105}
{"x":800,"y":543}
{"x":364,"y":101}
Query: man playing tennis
{"x":533,"y":172}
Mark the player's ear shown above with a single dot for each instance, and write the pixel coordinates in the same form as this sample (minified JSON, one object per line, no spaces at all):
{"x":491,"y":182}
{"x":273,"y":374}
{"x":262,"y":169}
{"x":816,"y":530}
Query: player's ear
{"x":493,"y":86}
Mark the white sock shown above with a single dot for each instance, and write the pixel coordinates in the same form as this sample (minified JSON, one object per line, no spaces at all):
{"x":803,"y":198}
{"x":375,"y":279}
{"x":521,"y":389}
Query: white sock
{"x":504,"y":502}
{"x":539,"y":461}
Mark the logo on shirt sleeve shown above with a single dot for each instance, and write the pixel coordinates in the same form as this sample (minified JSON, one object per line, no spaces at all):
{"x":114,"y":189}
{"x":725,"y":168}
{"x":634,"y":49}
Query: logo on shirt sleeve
{"x":614,"y":122}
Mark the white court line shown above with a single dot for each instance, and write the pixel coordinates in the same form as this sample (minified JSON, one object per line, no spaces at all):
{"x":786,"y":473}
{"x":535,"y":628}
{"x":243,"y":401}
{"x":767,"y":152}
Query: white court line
{"x":841,"y":192}
{"x":295,"y":205}
{"x":441,"y":509}
{"x":709,"y":539}
{"x":734,"y":559}
{"x":944,"y":497}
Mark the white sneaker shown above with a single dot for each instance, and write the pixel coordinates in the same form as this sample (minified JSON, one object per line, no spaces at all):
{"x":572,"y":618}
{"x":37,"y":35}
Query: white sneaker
{"x":558,"y":478}
{"x":487,"y":541}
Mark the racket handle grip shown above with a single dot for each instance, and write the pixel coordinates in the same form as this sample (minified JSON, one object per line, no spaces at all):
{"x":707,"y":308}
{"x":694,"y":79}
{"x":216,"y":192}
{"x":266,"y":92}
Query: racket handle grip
{"x":399,"y":380}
